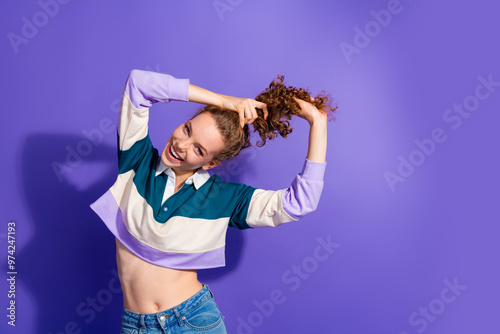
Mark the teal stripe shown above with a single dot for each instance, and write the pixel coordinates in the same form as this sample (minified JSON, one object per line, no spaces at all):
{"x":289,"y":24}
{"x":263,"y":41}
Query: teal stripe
{"x":215,"y":199}
{"x":135,"y":156}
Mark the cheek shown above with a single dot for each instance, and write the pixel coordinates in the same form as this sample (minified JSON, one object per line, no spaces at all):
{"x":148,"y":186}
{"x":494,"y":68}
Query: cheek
{"x":196,"y":157}
{"x":177,"y":132}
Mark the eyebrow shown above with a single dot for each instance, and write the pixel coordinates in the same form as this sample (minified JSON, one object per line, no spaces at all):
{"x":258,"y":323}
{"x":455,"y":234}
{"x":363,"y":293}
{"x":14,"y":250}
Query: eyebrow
{"x":191,"y":130}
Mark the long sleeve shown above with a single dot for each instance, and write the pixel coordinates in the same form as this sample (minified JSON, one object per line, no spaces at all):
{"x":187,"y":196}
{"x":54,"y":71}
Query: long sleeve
{"x":143,"y":89}
{"x":303,"y":195}
{"x":269,"y":208}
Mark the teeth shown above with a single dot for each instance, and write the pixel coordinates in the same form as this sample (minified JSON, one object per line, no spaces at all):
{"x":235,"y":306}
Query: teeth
{"x":173,"y":153}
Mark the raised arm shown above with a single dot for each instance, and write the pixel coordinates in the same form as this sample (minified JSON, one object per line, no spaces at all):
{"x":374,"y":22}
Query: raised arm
{"x":143,"y":89}
{"x":204,"y":96}
{"x":271,"y":208}
{"x":268,"y":208}
{"x":245,"y":107}
{"x":302,"y":197}
{"x":317,"y":133}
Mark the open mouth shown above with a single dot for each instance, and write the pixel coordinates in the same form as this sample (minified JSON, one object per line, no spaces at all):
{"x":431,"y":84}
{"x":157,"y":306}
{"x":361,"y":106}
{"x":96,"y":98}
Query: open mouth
{"x":173,"y":154}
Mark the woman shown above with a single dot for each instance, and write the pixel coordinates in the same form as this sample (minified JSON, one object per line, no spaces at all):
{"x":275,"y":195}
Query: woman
{"x":169,"y":216}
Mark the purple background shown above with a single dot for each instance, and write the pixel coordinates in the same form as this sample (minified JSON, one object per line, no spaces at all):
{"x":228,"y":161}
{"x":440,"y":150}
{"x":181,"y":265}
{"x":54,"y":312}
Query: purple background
{"x":397,"y":247}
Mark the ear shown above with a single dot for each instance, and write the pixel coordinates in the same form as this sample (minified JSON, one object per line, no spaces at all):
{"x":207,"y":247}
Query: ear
{"x":211,"y":164}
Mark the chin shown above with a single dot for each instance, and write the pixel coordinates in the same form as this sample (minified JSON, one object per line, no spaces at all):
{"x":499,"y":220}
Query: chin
{"x":165,"y":160}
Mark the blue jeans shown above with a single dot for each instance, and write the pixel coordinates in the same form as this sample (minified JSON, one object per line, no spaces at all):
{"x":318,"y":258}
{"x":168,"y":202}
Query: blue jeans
{"x":198,"y":314}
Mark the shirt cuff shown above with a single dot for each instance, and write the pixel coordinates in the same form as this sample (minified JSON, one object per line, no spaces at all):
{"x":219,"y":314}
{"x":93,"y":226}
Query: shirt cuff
{"x":144,"y":88}
{"x":178,"y":89}
{"x":313,"y":171}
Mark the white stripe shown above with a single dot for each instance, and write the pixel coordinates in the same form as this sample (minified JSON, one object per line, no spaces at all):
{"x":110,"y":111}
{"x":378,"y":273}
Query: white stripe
{"x":132,"y":123}
{"x":177,"y":235}
{"x":266,"y":209}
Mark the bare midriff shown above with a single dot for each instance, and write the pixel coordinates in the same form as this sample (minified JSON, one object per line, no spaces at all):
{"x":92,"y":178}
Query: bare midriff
{"x":148,"y":288}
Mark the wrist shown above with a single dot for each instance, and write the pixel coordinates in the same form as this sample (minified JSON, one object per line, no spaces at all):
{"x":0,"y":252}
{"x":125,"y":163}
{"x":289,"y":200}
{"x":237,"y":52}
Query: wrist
{"x":225,"y":102}
{"x":319,"y":119}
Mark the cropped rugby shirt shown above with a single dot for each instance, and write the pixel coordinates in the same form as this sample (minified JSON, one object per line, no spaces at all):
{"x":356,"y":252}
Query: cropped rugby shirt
{"x":188,"y":229}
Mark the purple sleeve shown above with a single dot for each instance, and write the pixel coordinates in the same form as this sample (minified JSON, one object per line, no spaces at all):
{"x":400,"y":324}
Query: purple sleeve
{"x":144,"y":88}
{"x":303,"y":195}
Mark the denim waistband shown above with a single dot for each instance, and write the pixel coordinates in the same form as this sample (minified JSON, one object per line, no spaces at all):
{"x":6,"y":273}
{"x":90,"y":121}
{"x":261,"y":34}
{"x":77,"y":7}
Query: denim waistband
{"x":165,"y":317}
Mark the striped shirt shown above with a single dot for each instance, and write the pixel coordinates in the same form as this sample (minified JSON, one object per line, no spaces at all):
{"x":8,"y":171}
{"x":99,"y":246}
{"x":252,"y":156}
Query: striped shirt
{"x":185,"y":229}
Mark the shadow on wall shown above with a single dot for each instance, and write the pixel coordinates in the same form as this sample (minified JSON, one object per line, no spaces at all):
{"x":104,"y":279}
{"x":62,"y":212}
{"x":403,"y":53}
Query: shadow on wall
{"x":69,"y":265}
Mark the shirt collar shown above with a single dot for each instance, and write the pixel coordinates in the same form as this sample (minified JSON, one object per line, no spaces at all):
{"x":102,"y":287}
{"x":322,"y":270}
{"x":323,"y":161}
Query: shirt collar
{"x":198,"y":178}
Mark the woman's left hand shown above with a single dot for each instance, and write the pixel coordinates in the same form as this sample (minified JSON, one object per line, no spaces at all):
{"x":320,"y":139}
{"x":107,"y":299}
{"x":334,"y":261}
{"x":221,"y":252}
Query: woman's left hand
{"x":309,"y":112}
{"x":318,"y":130}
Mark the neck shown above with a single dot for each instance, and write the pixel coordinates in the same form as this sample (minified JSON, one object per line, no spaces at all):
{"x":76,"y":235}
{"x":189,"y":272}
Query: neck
{"x":182,"y":175}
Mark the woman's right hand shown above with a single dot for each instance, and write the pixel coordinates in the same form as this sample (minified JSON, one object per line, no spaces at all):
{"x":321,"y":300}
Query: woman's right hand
{"x":245,"y":107}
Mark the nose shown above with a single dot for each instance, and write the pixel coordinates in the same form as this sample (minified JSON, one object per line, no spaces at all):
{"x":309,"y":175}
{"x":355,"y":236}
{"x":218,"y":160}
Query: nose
{"x":182,"y":145}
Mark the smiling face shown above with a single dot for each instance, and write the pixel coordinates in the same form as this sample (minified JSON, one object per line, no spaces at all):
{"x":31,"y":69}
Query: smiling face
{"x":193,"y":144}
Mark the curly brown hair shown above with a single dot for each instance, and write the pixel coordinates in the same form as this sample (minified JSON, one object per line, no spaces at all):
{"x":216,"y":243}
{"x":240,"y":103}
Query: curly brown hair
{"x":281,"y":107}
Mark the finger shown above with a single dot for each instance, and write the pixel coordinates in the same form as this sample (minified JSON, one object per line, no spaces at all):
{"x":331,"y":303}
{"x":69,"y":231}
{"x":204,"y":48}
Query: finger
{"x":242,"y":119}
{"x":250,"y":115}
{"x":266,"y":112}
{"x":253,"y":113}
{"x":263,"y":106}
{"x":241,"y":113}
{"x":248,"y":107}
{"x":247,"y":115}
{"x":299,"y":101}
